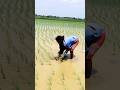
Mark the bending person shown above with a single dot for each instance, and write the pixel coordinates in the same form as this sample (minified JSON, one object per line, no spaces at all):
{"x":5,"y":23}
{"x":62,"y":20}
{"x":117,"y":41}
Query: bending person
{"x":67,"y":44}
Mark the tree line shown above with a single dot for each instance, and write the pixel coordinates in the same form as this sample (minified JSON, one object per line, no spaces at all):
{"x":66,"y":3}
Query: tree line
{"x":58,"y":18}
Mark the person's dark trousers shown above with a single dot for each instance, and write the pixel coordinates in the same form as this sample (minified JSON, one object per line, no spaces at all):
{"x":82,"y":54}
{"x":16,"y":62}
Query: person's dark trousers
{"x":88,"y":68}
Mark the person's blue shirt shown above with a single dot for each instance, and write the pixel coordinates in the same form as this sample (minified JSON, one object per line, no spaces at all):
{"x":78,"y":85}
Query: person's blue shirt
{"x":68,"y":42}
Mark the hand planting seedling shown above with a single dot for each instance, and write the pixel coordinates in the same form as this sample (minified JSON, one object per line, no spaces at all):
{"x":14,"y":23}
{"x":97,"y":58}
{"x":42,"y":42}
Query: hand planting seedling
{"x":62,"y":56}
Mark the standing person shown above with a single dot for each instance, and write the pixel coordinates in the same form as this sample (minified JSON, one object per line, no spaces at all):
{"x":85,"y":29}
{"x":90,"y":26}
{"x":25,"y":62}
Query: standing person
{"x":94,"y":38}
{"x":67,"y":44}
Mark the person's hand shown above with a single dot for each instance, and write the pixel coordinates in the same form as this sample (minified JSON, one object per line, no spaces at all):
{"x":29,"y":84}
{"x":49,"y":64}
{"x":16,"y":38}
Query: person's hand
{"x":93,"y":48}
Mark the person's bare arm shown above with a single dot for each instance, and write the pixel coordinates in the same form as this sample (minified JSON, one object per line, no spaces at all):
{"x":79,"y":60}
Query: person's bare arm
{"x":93,"y":48}
{"x":74,"y":45}
{"x":72,"y":48}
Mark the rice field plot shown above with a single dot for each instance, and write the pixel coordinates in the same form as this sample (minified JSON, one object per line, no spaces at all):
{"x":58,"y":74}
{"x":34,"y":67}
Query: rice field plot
{"x":51,"y":74}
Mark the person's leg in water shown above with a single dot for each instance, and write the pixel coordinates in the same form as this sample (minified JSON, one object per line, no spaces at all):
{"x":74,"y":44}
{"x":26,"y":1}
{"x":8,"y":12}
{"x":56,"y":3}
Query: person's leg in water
{"x":73,"y":47}
{"x":91,"y":52}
